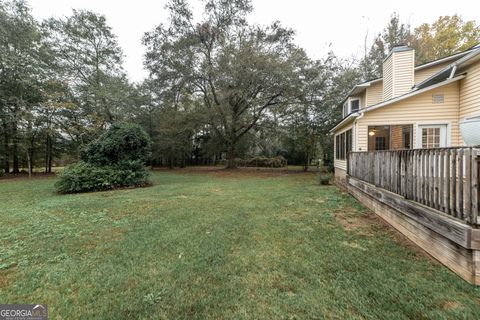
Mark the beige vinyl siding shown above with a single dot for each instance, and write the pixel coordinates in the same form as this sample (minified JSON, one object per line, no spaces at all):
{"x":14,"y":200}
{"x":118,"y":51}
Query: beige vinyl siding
{"x":470,"y":92}
{"x":374,"y":93}
{"x":403,"y":65}
{"x":424,"y":73}
{"x":342,"y":164}
{"x":416,"y":110}
{"x":388,"y":79}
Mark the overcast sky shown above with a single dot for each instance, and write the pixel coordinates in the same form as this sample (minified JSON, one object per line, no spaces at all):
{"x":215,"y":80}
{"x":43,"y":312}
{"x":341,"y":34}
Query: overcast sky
{"x":320,"y":26}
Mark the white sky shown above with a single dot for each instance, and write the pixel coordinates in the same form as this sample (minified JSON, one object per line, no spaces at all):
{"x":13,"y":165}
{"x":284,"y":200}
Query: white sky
{"x":320,"y":25}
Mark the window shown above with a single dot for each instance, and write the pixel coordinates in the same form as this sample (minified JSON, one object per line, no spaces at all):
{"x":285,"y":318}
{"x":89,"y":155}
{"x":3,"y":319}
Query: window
{"x":431,"y":137}
{"x":343,"y":144}
{"x":380,"y":143}
{"x":348,"y":145}
{"x":350,"y":106}
{"x":337,"y":147}
{"x":354,"y":105}
{"x":345,"y":109}
{"x":394,"y":137}
{"x":407,"y":137}
{"x":378,"y":138}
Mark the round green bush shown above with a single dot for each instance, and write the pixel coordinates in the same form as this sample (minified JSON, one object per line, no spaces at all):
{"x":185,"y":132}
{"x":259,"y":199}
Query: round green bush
{"x":115,"y":159}
{"x":119,"y":143}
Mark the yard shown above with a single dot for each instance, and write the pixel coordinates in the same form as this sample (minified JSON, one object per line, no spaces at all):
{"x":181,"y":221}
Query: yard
{"x":216,"y":245}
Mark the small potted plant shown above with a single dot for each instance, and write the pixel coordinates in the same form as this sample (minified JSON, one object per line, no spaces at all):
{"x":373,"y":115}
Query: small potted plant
{"x":324,"y":174}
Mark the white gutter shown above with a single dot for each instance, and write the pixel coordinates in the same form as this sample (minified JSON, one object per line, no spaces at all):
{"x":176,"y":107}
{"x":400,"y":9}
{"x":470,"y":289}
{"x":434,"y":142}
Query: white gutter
{"x":351,"y":115}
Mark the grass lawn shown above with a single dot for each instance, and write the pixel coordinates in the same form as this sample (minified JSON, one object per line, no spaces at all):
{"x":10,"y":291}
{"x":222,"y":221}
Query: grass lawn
{"x":216,"y":245}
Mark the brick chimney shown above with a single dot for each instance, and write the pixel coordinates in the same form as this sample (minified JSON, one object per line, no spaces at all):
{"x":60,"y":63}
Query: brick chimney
{"x":398,"y":72}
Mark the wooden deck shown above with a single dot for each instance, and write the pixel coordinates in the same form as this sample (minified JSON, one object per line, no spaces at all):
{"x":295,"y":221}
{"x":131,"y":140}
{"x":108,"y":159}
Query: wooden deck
{"x":429,"y":195}
{"x":444,"y":179}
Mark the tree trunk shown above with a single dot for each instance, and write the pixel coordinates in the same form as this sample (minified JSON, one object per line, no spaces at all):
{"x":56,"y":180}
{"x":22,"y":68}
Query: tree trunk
{"x":231,"y":153}
{"x":183,"y":161}
{"x":16,"y":168}
{"x":29,"y":163}
{"x":48,"y":155}
{"x":307,"y":163}
{"x":6,"y":163}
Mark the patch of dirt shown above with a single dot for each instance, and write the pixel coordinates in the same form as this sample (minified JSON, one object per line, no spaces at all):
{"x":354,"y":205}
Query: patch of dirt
{"x":451,"y":305}
{"x":354,"y":221}
{"x":107,"y":236}
{"x":353,"y":245}
{"x":368,"y":224}
{"x":5,"y":276}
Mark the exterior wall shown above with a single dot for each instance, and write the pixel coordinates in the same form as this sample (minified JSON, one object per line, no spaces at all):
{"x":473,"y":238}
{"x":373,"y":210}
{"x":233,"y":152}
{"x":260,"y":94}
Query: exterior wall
{"x":416,"y":110}
{"x":403,"y":68}
{"x":341,"y":177}
{"x":423,"y":74}
{"x":374,"y":94}
{"x":342,"y":164}
{"x":398,"y":70}
{"x":388,"y":79}
{"x":470,"y":93}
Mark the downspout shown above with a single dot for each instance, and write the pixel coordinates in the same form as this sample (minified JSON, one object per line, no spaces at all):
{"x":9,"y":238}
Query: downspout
{"x":356,"y":131}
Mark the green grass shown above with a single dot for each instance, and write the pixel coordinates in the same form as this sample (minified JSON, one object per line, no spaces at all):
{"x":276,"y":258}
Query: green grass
{"x":215,"y":246}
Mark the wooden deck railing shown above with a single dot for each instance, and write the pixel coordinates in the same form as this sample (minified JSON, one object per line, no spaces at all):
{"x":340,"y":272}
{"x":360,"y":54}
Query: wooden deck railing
{"x":445,"y":179}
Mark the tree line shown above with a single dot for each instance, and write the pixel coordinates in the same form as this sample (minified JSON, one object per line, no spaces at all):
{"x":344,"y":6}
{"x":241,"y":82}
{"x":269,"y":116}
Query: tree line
{"x":219,"y":88}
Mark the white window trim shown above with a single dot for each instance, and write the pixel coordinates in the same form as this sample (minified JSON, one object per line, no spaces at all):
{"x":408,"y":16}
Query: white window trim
{"x":350,"y":104}
{"x":418,"y":144}
{"x":345,"y":111}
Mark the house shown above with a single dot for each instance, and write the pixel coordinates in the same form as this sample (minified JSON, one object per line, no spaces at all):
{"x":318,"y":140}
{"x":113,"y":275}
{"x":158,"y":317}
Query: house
{"x":431,"y":194}
{"x":410,"y":106}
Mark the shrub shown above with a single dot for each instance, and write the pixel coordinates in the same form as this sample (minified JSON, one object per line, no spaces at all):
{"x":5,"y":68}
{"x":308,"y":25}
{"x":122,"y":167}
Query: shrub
{"x":85,"y":177}
{"x":276,"y":162}
{"x":115,"y":159}
{"x":119,"y":143}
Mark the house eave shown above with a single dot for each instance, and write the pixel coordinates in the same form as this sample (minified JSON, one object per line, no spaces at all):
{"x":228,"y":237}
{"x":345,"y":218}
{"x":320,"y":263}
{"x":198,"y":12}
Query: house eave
{"x":350,"y":118}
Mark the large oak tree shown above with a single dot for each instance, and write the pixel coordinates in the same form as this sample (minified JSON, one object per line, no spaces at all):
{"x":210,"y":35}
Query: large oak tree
{"x":237,"y":72}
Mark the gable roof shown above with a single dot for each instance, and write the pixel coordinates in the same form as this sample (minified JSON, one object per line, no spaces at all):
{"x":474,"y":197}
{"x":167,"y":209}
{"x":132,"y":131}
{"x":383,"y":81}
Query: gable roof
{"x":443,"y":77}
{"x":358,"y":88}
